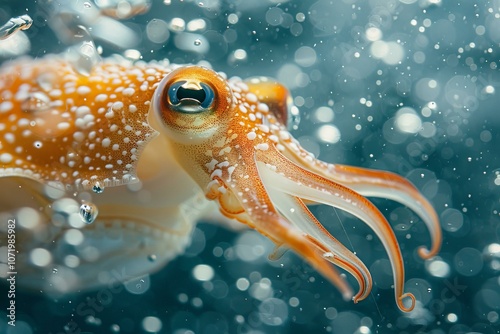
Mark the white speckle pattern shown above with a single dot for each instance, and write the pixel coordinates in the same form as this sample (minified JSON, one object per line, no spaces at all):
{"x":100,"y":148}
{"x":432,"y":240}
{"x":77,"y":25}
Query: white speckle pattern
{"x":262,"y":146}
{"x":63,"y":126}
{"x":83,"y":90}
{"x":101,"y":119}
{"x":5,"y":107}
{"x":5,"y":158}
{"x":251,"y":97}
{"x":106,"y":142}
{"x":101,"y":97}
{"x":128,"y":91}
{"x":251,"y":135}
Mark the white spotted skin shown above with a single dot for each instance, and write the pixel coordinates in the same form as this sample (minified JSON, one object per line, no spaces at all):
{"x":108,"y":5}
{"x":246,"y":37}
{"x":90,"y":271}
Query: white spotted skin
{"x":83,"y":126}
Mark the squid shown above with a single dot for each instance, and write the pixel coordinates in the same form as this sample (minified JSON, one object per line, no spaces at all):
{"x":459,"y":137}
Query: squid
{"x":113,"y":168}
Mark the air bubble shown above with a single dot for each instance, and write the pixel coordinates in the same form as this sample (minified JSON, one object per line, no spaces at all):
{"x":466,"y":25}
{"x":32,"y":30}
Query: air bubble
{"x":88,"y":212}
{"x":293,"y":118}
{"x":139,"y":285}
{"x":83,"y":54}
{"x":152,"y":257}
{"x":15,"y":24}
{"x":203,"y":272}
{"x":329,"y":134}
{"x":273,"y":312}
{"x":36,"y":101}
{"x":196,"y":25}
{"x":305,"y":56}
{"x":437,"y":267}
{"x":468,"y":261}
{"x":232,"y":18}
{"x":300,"y":17}
{"x":489,"y":89}
{"x":390,"y":52}
{"x":132,"y":54}
{"x":407,"y":120}
{"x":238,"y":55}
{"x":157,"y":31}
{"x":152,"y":324}
{"x":274,"y":16}
{"x":98,"y":188}
{"x":40,"y":257}
{"x":177,"y":24}
{"x":191,"y":42}
{"x":373,"y":34}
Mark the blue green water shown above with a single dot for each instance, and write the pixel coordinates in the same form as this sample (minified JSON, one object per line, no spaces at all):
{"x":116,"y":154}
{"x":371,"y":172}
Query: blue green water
{"x":410,"y":86}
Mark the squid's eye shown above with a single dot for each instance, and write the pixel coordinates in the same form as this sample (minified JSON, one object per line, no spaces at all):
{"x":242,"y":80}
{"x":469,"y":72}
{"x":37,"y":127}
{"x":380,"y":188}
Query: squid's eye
{"x":190,"y":97}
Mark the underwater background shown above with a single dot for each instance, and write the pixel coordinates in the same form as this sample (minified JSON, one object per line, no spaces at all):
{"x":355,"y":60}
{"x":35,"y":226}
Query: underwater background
{"x":409,"y":86}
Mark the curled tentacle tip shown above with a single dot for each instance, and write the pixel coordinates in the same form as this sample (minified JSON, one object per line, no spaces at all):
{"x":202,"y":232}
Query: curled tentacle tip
{"x":426,"y":254}
{"x":401,"y":303}
{"x":361,"y":295}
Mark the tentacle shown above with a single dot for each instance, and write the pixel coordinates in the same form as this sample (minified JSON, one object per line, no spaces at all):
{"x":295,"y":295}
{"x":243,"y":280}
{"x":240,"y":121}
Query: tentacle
{"x":297,"y":212}
{"x":369,"y":182}
{"x":281,"y":232}
{"x":306,"y":184}
{"x":392,"y":186}
{"x":260,"y":214}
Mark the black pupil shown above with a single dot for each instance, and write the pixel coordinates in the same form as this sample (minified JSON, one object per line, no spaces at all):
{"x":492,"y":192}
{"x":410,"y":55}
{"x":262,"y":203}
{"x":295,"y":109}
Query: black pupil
{"x":195,"y":94}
